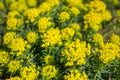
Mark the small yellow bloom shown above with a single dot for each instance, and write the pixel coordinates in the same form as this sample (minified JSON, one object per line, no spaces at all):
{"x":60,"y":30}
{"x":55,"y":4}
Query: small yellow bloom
{"x":75,"y":75}
{"x":43,"y":24}
{"x":32,"y":37}
{"x":4,"y":57}
{"x":31,"y":15}
{"x":17,"y":44}
{"x":63,"y":16}
{"x":67,"y":33}
{"x":13,"y":24}
{"x":98,"y":39}
{"x":49,"y":59}
{"x":8,"y":37}
{"x":75,"y":11}
{"x":13,"y":66}
{"x":51,"y":37}
{"x":29,"y":73}
{"x":49,"y":72}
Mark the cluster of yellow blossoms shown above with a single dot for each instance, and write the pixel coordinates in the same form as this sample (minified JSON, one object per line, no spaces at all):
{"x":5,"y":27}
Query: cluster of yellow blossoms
{"x":51,"y":37}
{"x":75,"y":53}
{"x":49,"y":72}
{"x":96,"y":14}
{"x":75,"y":75}
{"x":58,"y":39}
{"x":109,"y":50}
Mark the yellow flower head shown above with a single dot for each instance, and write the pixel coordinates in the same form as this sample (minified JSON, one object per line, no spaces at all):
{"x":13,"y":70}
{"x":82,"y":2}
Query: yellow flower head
{"x":32,"y":37}
{"x":98,"y":39}
{"x":17,"y":44}
{"x":13,"y":14}
{"x":114,"y":38}
{"x":51,"y":37}
{"x":49,"y":59}
{"x":109,"y":52}
{"x":96,"y":5}
{"x":75,"y":11}
{"x":13,"y":66}
{"x":76,"y":3}
{"x":4,"y":58}
{"x":49,"y":72}
{"x":8,"y":37}
{"x":13,"y":24}
{"x":75,"y":53}
{"x":63,"y":16}
{"x":43,"y":24}
{"x":29,"y":73}
{"x":18,"y":5}
{"x":75,"y":75}
{"x":53,"y":2}
{"x":93,"y":20}
{"x":31,"y":3}
{"x":75,"y":26}
{"x":67,"y":33}
{"x":44,"y":7}
{"x":106,"y":15}
{"x":31,"y":14}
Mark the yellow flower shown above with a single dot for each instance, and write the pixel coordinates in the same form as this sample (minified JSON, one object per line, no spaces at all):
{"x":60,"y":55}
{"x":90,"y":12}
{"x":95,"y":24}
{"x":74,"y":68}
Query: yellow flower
{"x":18,"y":5}
{"x":75,"y":53}
{"x":76,"y":3}
{"x":49,"y":72}
{"x":51,"y":37}
{"x":29,"y":73}
{"x":31,"y":3}
{"x":92,"y":20}
{"x":44,"y":7}
{"x":49,"y":59}
{"x":13,"y":13}
{"x":13,"y":66}
{"x":75,"y":11}
{"x":4,"y":58}
{"x":8,"y":37}
{"x":96,"y":5}
{"x":75,"y":26}
{"x":74,"y":74}
{"x":32,"y":37}
{"x":43,"y":24}
{"x":19,"y":53}
{"x":31,"y":14}
{"x":107,"y":15}
{"x":67,"y":33}
{"x":17,"y":44}
{"x":109,"y":52}
{"x":13,"y":24}
{"x":98,"y":39}
{"x":63,"y":16}
{"x":114,"y":38}
{"x":53,"y":2}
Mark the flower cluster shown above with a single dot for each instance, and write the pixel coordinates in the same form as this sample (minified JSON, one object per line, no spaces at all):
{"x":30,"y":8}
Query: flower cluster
{"x":59,"y":39}
{"x":75,"y":53}
{"x":96,"y":9}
